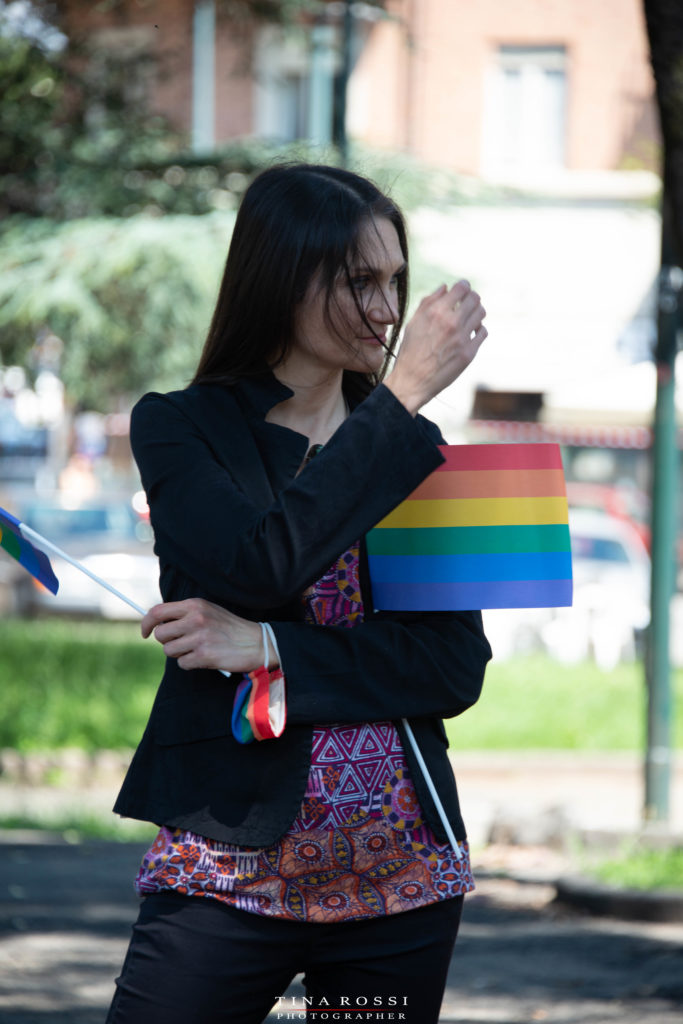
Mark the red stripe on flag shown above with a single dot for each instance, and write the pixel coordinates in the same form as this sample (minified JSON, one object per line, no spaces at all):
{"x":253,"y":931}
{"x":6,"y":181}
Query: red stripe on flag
{"x":499,"y":456}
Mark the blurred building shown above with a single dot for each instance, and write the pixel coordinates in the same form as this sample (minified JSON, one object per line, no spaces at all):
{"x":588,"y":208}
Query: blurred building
{"x":553,"y":96}
{"x":501,"y":89}
{"x":511,"y":89}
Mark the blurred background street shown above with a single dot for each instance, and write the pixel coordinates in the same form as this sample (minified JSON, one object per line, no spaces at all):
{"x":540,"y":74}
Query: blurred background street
{"x":531,"y":169}
{"x":66,"y":909}
{"x":530,"y":146}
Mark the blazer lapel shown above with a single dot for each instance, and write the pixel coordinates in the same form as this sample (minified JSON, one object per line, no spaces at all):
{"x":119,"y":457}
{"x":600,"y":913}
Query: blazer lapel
{"x":216,"y":412}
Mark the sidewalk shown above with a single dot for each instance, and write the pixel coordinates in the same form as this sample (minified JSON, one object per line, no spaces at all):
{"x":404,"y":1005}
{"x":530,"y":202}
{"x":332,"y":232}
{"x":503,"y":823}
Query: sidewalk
{"x":545,"y":797}
{"x":66,"y":913}
{"x":66,"y":910}
{"x":511,"y":797}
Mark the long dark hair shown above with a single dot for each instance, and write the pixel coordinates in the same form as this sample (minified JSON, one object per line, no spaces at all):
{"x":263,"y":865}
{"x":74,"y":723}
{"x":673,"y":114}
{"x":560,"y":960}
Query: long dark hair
{"x":294,"y":220}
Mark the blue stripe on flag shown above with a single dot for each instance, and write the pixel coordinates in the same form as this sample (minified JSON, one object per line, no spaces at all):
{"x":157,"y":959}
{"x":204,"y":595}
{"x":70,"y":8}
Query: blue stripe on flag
{"x":535,"y":565}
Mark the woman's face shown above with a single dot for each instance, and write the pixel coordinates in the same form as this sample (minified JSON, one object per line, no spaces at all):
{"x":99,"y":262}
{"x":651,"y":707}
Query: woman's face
{"x":339,"y":339}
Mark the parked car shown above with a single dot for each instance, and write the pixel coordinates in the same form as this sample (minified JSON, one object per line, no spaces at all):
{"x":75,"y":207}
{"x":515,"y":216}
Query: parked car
{"x":627,"y":503}
{"x":610,"y":610}
{"x":108,"y":537}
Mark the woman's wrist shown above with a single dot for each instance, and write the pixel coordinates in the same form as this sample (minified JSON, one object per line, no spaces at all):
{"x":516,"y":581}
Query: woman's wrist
{"x":404,"y":392}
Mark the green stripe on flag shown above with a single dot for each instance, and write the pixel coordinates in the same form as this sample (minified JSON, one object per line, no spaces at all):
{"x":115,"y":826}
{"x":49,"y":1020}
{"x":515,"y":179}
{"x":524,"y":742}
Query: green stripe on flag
{"x":442,"y":540}
{"x":10,"y":542}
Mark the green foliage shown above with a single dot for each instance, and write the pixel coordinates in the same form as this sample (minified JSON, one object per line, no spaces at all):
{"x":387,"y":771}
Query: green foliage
{"x":643,"y":868}
{"x":77,"y":140}
{"x":71,"y":131}
{"x":533,"y":703}
{"x":283,"y":11}
{"x":75,"y":685}
{"x":31,"y":89}
{"x":130,"y":298}
{"x":91,"y":685}
{"x":129,"y":292}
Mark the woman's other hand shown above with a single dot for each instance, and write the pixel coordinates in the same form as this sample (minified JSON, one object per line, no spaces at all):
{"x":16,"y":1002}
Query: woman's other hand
{"x":200,"y":634}
{"x":440,"y":341}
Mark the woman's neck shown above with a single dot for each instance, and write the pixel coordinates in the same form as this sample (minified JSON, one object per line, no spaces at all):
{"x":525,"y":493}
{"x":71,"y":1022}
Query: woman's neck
{"x":316,"y":409}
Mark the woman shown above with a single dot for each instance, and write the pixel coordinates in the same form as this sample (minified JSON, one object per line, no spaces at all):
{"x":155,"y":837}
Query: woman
{"x":320,"y":851}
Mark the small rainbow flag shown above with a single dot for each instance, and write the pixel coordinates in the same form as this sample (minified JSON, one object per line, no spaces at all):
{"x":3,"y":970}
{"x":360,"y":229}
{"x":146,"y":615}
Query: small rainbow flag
{"x":488,"y":529}
{"x":33,"y":560}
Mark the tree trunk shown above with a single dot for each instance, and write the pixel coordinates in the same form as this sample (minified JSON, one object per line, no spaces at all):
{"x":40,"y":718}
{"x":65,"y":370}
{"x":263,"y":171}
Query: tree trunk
{"x":664,"y":19}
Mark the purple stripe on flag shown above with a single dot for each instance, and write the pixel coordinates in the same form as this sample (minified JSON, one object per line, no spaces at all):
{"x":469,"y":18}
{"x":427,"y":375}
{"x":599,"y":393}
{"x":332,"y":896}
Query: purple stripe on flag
{"x":466,"y":596}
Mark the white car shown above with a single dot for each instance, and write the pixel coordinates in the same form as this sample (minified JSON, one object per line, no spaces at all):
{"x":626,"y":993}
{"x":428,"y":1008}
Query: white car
{"x":109,"y":538}
{"x":611,"y":606}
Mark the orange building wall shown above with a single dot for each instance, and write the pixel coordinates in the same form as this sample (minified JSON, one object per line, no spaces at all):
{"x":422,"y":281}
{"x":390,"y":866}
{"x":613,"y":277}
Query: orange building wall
{"x":169,"y":27}
{"x":377,"y":97}
{"x":234,"y":84}
{"x":420,"y":80}
{"x":444,"y":48}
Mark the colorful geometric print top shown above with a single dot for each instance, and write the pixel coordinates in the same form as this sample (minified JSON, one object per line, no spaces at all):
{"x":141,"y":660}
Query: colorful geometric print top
{"x":359,"y":846}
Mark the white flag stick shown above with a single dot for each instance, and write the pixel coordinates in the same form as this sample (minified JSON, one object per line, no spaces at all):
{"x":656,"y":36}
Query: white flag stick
{"x":432,"y":789}
{"x":49,"y":548}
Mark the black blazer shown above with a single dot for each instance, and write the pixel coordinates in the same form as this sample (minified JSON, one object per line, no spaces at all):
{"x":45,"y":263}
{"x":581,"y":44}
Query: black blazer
{"x":233,"y":523}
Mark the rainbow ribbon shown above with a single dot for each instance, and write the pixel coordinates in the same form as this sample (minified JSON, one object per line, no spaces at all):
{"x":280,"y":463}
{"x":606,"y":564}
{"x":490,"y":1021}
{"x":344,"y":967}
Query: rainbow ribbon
{"x":488,"y":529}
{"x":259,"y":710}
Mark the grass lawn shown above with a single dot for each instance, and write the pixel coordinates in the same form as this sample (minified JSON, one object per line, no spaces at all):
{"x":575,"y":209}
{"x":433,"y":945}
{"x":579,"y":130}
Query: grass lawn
{"x":75,"y":684}
{"x":91,"y":685}
{"x":533,"y":703}
{"x":642,"y":868}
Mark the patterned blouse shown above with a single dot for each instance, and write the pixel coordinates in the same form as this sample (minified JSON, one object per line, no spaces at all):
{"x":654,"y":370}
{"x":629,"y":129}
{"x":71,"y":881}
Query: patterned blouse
{"x":359,"y":846}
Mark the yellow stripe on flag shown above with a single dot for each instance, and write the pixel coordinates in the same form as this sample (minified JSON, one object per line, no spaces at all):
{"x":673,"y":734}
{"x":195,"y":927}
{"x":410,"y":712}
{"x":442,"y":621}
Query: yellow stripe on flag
{"x":477,"y":512}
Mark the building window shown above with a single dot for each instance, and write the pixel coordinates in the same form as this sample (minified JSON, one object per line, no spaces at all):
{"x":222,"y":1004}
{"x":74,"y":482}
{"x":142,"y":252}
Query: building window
{"x":294,"y":76}
{"x":525,"y":112}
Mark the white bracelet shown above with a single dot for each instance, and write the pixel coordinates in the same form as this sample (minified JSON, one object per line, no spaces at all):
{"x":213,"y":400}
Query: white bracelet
{"x":267,"y":628}
{"x":266,"y":632}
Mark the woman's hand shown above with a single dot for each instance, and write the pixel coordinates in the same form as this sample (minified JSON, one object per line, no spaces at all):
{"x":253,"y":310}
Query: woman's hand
{"x":200,"y":634}
{"x":440,"y":341}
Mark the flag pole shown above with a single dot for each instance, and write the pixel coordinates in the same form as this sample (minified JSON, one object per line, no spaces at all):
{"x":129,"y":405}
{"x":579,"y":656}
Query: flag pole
{"x":432,"y":789}
{"x":49,"y":548}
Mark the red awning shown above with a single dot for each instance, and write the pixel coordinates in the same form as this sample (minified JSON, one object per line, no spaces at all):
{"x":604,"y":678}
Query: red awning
{"x":481,"y":431}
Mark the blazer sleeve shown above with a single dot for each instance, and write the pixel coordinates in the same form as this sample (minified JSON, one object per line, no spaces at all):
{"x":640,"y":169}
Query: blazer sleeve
{"x":390,"y":666}
{"x":207,"y":525}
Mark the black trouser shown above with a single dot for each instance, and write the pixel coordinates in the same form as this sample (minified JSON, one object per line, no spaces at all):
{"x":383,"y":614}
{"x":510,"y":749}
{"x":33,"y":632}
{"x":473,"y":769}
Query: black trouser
{"x":194,"y":960}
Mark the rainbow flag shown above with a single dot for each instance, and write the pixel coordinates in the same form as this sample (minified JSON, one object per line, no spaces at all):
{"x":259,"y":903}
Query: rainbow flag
{"x":33,"y":560}
{"x":488,"y":529}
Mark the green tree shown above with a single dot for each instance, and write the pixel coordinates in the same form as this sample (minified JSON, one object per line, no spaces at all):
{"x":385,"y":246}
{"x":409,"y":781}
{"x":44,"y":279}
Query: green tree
{"x":130,"y":298}
{"x":71,"y":142}
{"x":664,"y":19}
{"x":85,"y":175}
